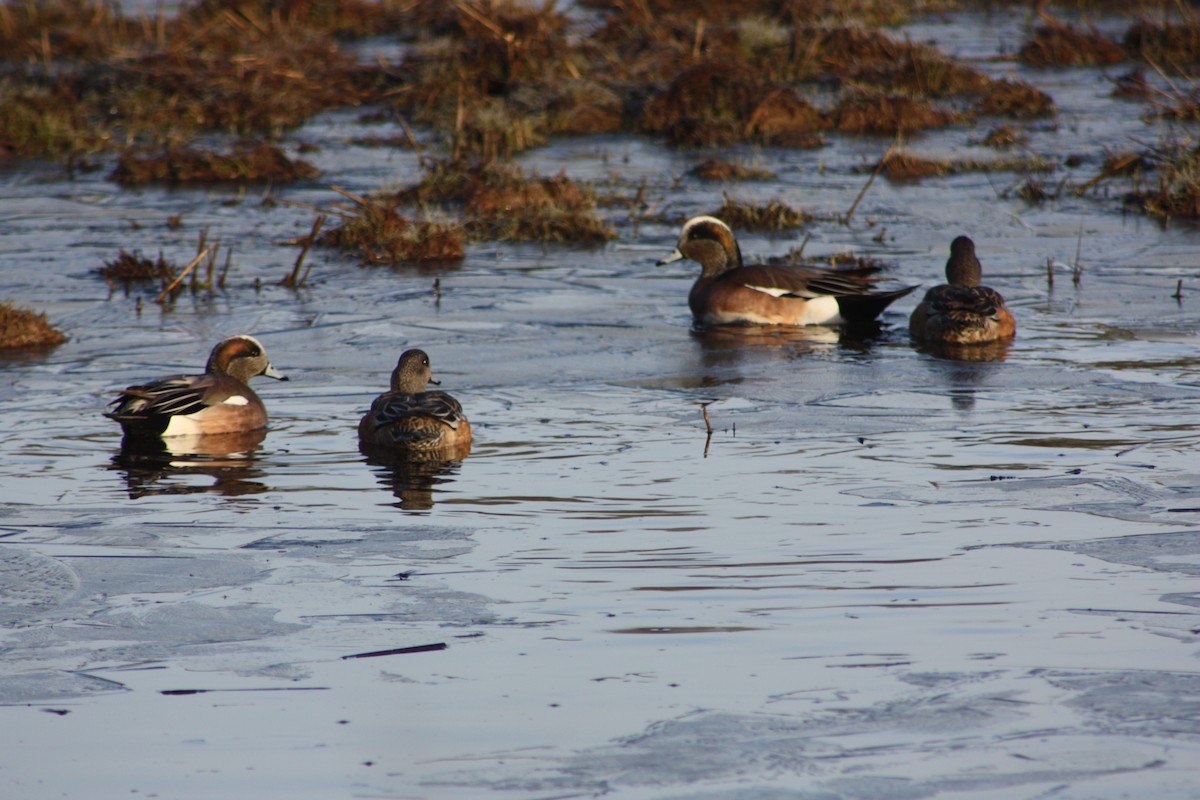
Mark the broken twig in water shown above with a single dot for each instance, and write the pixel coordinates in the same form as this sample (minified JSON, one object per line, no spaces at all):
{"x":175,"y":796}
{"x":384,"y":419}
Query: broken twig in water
{"x":704,"y":404}
{"x":874,"y":174}
{"x":400,"y":651}
{"x":1178,"y":296}
{"x":175,"y":283}
{"x":294,"y":278}
{"x":1077,"y":268}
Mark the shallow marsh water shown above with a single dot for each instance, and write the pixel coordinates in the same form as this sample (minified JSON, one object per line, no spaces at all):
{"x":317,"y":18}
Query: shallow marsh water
{"x":887,"y":575}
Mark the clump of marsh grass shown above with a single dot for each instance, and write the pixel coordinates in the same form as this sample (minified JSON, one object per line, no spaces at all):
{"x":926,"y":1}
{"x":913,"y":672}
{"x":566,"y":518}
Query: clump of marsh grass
{"x":1132,"y":85}
{"x":47,"y":121}
{"x":842,"y":260}
{"x":1177,"y":192}
{"x":499,"y":202}
{"x":374,"y":228}
{"x":706,"y":104}
{"x":1056,"y":44}
{"x":1174,"y":45}
{"x":714,"y":169}
{"x":130,"y":268}
{"x":1013,"y":98}
{"x":506,"y":205}
{"x":772,"y":216}
{"x":583,"y":106}
{"x":21,"y":328}
{"x":784,"y":119}
{"x":1003,"y":137}
{"x":870,"y":112}
{"x":902,"y":165}
{"x":182,"y":165}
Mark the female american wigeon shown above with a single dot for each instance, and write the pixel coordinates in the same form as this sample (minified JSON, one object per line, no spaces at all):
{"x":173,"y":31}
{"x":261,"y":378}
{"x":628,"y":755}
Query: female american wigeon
{"x":219,"y":401}
{"x":962,"y":311}
{"x":411,"y":419}
{"x":729,"y":292}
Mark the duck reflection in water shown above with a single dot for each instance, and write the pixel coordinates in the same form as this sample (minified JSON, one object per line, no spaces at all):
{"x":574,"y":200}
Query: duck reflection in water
{"x":414,"y":477}
{"x":169,"y":465}
{"x":987,"y":351}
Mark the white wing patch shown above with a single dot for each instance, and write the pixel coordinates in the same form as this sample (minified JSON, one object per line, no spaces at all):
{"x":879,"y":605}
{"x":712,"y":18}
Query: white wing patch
{"x":774,"y":291}
{"x":235,"y":400}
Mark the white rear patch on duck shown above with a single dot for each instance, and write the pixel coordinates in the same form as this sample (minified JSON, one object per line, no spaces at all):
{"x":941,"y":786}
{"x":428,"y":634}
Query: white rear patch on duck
{"x":821,"y":310}
{"x":818,"y":310}
{"x":182,"y":426}
{"x":236,"y":400}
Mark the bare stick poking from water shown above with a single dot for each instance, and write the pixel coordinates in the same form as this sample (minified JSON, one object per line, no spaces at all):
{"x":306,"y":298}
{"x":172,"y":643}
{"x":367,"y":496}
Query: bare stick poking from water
{"x":294,"y":278}
{"x":1077,"y":268}
{"x":1049,"y":272}
{"x":179,"y":279}
{"x":437,"y":291}
{"x":800,"y":252}
{"x":874,"y":174}
{"x":704,"y":404}
{"x":1178,"y":291}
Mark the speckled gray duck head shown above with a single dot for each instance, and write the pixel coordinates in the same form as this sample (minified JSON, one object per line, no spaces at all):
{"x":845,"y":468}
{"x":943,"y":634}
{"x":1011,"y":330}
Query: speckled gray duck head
{"x":710,"y":242}
{"x":963,"y":268}
{"x":413,"y":372}
{"x":242,"y":357}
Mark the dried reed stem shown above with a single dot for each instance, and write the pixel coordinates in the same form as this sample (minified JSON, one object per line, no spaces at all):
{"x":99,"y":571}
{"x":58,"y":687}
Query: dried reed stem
{"x":874,"y":174}
{"x":179,"y":279}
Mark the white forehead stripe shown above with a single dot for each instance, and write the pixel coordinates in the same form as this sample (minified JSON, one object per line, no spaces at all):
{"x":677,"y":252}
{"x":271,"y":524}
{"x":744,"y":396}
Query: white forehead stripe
{"x":695,"y":221}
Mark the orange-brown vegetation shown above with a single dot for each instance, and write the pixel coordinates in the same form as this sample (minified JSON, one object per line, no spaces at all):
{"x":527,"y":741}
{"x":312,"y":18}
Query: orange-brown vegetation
{"x":1058,"y":45}
{"x":181,"y":165}
{"x":772,"y":216}
{"x":22,"y":328}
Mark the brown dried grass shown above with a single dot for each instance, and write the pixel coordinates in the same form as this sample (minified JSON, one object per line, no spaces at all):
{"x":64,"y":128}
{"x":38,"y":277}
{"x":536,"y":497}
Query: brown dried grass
{"x":381,"y":235}
{"x":1171,"y":45}
{"x":869,"y":112}
{"x":1059,"y":45}
{"x":180,"y":165}
{"x":21,"y":328}
{"x":712,"y":169}
{"x":773,"y":216}
{"x":1016,"y":99}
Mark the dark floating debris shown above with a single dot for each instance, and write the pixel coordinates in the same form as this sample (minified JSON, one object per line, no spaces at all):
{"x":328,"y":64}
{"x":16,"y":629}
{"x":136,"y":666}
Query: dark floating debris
{"x":399,"y":651}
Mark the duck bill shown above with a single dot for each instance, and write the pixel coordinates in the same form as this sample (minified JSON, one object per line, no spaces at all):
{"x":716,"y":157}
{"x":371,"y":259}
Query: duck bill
{"x":271,"y":372}
{"x":674,"y":256}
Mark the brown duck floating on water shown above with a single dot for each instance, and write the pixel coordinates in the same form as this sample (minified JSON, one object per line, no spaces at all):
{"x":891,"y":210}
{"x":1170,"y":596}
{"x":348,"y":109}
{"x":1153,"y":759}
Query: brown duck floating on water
{"x":962,"y":311}
{"x":217,"y":402}
{"x":408,"y":418}
{"x":729,"y":292}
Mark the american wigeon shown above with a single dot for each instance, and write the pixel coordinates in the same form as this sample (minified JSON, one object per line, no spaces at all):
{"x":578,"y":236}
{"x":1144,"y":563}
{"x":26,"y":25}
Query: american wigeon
{"x":962,"y":311}
{"x":219,"y":401}
{"x":411,"y":419}
{"x":729,"y":292}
